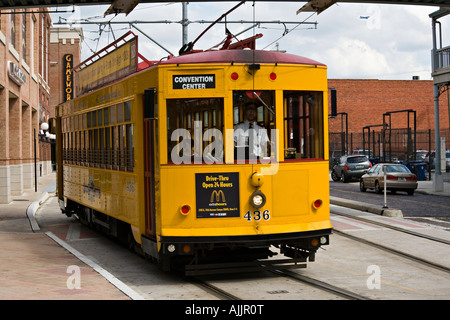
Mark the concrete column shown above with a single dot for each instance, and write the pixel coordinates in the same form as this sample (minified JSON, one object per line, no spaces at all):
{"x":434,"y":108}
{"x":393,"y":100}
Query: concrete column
{"x":5,"y":175}
{"x":15,"y":145}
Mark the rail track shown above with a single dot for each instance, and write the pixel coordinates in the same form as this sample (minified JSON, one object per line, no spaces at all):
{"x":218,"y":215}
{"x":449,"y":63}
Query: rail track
{"x":297,"y":277}
{"x":385,"y":225}
{"x":320,"y":284}
{"x":391,"y":250}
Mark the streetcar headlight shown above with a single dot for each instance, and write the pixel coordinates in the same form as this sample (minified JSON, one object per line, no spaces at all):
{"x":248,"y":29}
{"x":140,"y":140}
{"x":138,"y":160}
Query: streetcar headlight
{"x":171,"y":248}
{"x":323,"y":240}
{"x":258,"y":199}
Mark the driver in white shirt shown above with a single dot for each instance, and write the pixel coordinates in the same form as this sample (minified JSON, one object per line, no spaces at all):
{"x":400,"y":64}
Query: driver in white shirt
{"x":249,"y":134}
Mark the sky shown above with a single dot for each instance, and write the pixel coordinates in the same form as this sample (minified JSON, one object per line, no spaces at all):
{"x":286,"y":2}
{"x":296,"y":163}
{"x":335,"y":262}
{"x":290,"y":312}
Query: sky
{"x":355,"y":41}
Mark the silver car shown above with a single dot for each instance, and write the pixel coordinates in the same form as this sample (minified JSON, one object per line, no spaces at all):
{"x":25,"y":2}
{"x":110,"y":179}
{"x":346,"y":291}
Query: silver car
{"x":350,"y":167}
{"x":398,"y":178}
{"x":447,"y":161}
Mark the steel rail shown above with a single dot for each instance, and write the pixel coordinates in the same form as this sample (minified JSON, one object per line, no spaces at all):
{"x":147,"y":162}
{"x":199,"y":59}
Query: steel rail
{"x":212,"y":289}
{"x":396,"y":252}
{"x":417,"y":234}
{"x":320,"y":284}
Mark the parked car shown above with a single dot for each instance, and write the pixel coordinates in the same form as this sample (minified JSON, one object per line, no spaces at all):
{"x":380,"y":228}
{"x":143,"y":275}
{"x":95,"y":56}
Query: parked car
{"x":364,"y":152}
{"x":447,"y":161}
{"x":334,"y":158}
{"x":421,"y":154}
{"x":350,"y":167}
{"x":429,"y":159}
{"x":433,"y":155}
{"x":398,"y":178}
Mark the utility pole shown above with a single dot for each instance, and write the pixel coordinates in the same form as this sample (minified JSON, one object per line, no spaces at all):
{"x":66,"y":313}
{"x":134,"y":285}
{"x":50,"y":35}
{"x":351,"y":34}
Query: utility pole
{"x":185,"y":22}
{"x":441,"y":79}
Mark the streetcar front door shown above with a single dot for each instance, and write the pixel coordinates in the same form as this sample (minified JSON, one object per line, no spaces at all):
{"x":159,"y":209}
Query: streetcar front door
{"x":149,"y":160}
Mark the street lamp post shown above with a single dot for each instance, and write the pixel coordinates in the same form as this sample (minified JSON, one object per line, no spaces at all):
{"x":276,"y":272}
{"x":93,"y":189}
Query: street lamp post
{"x":45,"y":137}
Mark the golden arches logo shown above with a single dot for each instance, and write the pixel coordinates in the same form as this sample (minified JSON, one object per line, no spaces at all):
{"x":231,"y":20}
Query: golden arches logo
{"x":217,"y":194}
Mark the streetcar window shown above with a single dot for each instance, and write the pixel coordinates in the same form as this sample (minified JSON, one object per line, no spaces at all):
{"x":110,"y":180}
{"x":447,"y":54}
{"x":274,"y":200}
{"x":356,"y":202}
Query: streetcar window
{"x":127,"y":111}
{"x":254,"y":109}
{"x":121,"y":147}
{"x":303,"y":125}
{"x":108,"y":146}
{"x":114,"y":147}
{"x":195,"y":129}
{"x":119,"y":113}
{"x":82,"y":148}
{"x":96,"y":149}
{"x":101,"y":146}
{"x":84,"y":125}
{"x":99,"y":117}
{"x":88,"y":115}
{"x":100,"y":138}
{"x":129,"y":147}
{"x":94,"y":118}
{"x":112,"y":114}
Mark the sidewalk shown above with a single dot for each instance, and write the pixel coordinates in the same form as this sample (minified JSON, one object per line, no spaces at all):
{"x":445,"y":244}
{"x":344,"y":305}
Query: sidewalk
{"x":426,"y":187}
{"x":33,"y":266}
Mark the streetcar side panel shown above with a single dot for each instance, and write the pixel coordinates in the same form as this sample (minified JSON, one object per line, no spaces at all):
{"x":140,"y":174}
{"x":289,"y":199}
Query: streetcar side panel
{"x":101,"y":159}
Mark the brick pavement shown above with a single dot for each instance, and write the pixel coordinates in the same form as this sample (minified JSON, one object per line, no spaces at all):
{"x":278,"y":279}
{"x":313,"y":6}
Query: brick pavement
{"x":34,"y":267}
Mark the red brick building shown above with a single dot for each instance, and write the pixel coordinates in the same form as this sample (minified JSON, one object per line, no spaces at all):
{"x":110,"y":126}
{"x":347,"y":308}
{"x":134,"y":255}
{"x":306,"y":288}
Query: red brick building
{"x":63,"y":41}
{"x":365,"y":102}
{"x":24,"y":96}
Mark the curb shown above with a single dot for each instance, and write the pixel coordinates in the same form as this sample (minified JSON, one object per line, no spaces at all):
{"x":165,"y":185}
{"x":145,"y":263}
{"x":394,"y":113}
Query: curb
{"x":31,"y":211}
{"x":103,"y":272}
{"x":396,"y":213}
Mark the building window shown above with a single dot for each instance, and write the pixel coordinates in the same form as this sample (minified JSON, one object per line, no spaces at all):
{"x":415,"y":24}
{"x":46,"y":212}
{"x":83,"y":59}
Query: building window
{"x":42,"y":47}
{"x":13,"y":28}
{"x":24,"y":36}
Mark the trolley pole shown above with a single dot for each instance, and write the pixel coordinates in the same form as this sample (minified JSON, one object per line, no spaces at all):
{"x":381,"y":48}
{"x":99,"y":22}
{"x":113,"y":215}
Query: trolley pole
{"x":185,"y":22}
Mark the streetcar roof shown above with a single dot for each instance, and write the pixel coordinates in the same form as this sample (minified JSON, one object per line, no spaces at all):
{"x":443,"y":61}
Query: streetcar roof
{"x":241,"y":56}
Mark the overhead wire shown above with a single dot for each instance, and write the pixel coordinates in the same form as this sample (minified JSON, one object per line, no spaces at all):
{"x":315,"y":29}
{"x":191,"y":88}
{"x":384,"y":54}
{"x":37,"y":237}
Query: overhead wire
{"x":287,"y":31}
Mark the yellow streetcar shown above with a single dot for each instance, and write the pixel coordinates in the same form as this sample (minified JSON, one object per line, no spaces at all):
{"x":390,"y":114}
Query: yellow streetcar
{"x":215,"y":161}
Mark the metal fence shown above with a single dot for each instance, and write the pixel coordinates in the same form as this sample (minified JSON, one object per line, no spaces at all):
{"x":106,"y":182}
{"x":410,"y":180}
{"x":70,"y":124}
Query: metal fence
{"x":394,"y":144}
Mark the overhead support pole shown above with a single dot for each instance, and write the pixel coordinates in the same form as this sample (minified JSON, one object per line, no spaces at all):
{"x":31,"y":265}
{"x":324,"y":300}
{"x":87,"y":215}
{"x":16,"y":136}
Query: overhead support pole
{"x":185,"y":22}
{"x":438,"y":182}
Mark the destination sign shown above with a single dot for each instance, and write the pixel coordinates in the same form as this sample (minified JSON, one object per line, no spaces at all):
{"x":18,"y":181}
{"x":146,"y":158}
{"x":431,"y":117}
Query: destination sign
{"x":117,"y":64}
{"x":198,"y":81}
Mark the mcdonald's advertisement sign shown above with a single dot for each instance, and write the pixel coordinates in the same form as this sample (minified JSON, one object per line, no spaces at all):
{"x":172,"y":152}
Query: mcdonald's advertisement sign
{"x":217,"y":194}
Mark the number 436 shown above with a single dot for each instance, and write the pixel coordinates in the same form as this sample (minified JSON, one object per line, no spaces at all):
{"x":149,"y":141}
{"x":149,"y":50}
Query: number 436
{"x":257,"y":215}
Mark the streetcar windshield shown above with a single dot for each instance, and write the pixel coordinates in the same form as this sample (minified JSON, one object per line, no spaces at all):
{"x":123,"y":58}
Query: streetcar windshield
{"x":303,"y":125}
{"x":253,"y":124}
{"x":195,"y":130}
{"x":196,"y":127}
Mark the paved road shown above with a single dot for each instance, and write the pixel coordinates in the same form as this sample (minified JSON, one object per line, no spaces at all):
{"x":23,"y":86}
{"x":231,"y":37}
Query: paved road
{"x":418,"y":205}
